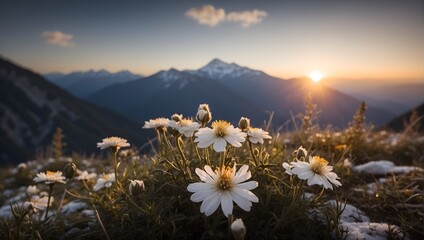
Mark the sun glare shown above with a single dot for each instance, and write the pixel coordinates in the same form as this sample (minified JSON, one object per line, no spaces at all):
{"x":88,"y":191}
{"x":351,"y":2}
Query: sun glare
{"x":316,"y":76}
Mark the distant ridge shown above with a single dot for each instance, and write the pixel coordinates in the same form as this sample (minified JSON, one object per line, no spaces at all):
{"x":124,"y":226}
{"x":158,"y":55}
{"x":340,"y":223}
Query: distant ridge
{"x":32,"y":108}
{"x":398,"y":123}
{"x":85,"y":83}
{"x":235,"y":90}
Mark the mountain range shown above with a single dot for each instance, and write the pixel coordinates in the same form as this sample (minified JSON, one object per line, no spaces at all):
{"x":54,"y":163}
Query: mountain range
{"x":232,"y":91}
{"x":85,"y":83}
{"x":401,"y":122}
{"x":32,"y":108}
{"x":392,"y":96}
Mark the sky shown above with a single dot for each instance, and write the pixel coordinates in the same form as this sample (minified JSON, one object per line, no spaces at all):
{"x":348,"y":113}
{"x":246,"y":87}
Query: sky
{"x":373,"y":39}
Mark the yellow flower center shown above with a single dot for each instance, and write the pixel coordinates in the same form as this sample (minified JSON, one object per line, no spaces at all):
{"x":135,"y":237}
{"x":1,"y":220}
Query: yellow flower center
{"x":50,"y":173}
{"x":185,"y":122}
{"x":225,"y":181}
{"x":317,"y":164}
{"x":106,"y":177}
{"x":220,"y":127}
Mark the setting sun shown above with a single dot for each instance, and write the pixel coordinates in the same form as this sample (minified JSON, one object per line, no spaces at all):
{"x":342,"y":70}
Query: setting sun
{"x":316,"y":76}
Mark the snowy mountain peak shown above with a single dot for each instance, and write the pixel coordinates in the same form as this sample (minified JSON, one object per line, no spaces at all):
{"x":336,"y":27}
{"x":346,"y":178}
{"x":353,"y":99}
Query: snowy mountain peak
{"x":217,"y":69}
{"x":170,"y":75}
{"x":89,"y":74}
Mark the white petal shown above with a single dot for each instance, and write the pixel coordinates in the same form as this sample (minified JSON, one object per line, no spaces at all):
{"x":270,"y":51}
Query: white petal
{"x":242,"y":202}
{"x":199,"y":186}
{"x":334,"y":181}
{"x":305,"y":174}
{"x":219,"y":145}
{"x":315,"y":179}
{"x":227,"y":203}
{"x":326,"y":183}
{"x":242,"y":174}
{"x":248,"y":185}
{"x":209,"y":170}
{"x":245,"y":194}
{"x":201,"y":195}
{"x":233,"y":140}
{"x":211,"y":203}
{"x":203,"y":175}
{"x":204,"y":143}
{"x":301,"y":165}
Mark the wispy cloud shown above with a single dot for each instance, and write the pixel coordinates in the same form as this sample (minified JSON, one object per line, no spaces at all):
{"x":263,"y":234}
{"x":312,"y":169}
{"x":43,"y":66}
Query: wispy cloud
{"x":207,"y":15}
{"x":211,"y":16}
{"x":58,"y":38}
{"x":246,"y":18}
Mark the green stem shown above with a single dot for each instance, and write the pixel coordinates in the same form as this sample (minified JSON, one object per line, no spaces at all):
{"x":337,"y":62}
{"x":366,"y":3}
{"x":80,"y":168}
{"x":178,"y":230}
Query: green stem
{"x":176,"y":158}
{"x":222,"y":163}
{"x":160,"y":147}
{"x":48,"y":201}
{"x":19,"y":223}
{"x":100,"y":221}
{"x":61,"y":202}
{"x":196,"y":149}
{"x":185,"y":161}
{"x":115,"y":165}
{"x":252,"y":153}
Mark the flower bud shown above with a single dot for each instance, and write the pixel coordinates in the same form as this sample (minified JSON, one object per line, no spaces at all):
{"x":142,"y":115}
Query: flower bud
{"x":177,"y":117}
{"x":204,"y":114}
{"x":136,"y":187}
{"x":69,"y":170}
{"x":238,"y":229}
{"x":244,"y":123}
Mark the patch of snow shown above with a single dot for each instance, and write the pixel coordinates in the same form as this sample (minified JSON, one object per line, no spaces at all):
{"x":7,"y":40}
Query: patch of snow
{"x":372,"y":188}
{"x":5,"y":211}
{"x":170,"y":75}
{"x":88,"y":213}
{"x":218,"y":69}
{"x":359,"y":226}
{"x":371,"y":231}
{"x":350,"y":213}
{"x":383,"y":167}
{"x":72,"y":207}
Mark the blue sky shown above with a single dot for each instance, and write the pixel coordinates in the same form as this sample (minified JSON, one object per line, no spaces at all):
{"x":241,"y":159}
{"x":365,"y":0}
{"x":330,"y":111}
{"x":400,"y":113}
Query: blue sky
{"x":357,"y":39}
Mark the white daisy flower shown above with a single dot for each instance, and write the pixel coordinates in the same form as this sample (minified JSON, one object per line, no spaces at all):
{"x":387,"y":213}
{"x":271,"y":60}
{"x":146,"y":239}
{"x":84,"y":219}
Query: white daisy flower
{"x":222,"y":187}
{"x":221,"y":133}
{"x":185,"y":127}
{"x":38,"y":203}
{"x":105,"y":181}
{"x":114,"y":142}
{"x":50,"y":177}
{"x":158,"y":123}
{"x":32,"y":190}
{"x":316,"y":171}
{"x":84,"y":175}
{"x":257,"y":135}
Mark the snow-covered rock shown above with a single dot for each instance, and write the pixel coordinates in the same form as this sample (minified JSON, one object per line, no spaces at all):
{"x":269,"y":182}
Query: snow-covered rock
{"x":371,"y":231}
{"x":72,"y":207}
{"x":384,"y":167}
{"x":350,"y":213}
